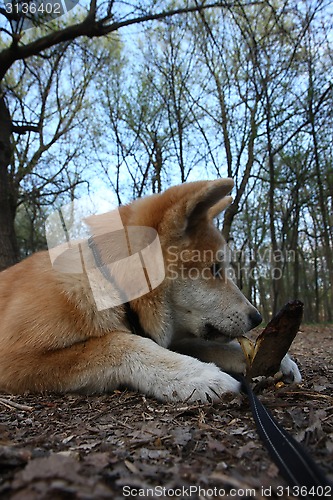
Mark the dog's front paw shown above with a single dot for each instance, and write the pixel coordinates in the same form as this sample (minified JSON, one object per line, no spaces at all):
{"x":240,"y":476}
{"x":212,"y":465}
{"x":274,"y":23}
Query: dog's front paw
{"x":290,"y":370}
{"x":206,"y":383}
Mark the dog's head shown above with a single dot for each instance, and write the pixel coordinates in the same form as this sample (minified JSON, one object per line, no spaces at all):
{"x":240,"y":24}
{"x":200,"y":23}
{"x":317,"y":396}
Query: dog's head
{"x":198,"y":289}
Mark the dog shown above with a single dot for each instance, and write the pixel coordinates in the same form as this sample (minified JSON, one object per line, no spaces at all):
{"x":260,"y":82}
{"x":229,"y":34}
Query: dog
{"x":173,"y":340}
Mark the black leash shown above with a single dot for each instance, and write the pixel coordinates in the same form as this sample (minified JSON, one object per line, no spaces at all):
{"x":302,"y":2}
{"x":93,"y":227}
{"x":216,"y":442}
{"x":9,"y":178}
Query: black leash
{"x":293,"y":461}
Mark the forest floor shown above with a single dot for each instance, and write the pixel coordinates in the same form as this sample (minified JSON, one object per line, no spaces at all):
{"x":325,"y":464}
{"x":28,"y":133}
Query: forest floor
{"x":124,"y":445}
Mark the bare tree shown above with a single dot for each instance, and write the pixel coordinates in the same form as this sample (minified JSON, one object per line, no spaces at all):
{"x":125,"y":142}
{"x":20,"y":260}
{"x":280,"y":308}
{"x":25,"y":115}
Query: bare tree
{"x":48,"y":108}
{"x":100,"y":20}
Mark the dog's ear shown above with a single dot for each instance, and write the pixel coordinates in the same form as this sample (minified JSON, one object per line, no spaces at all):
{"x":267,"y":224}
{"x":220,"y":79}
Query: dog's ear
{"x":219,"y":207}
{"x":208,"y":202}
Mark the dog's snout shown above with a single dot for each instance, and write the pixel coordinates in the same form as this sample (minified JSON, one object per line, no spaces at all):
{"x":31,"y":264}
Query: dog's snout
{"x":255,"y":318}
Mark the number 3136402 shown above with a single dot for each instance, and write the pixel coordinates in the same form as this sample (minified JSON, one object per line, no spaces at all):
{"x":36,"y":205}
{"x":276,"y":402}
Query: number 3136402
{"x":33,"y":8}
{"x":303,"y":491}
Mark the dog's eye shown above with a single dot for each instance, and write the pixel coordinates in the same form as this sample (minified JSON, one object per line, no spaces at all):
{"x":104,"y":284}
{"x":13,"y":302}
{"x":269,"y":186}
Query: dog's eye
{"x":216,"y":269}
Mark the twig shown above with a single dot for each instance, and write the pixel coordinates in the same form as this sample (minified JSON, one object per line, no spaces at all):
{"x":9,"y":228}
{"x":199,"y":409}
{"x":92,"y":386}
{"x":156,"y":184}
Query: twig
{"x":171,"y":408}
{"x":12,"y":404}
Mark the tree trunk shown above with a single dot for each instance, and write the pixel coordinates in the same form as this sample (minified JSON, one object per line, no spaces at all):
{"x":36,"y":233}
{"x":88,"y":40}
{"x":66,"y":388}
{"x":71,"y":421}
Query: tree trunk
{"x":232,"y":210}
{"x":8,"y":193}
{"x":322,"y":199}
{"x":276,"y":267}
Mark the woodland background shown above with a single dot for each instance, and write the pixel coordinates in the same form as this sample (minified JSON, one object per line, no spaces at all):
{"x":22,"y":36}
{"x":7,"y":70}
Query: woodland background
{"x":137,"y":96}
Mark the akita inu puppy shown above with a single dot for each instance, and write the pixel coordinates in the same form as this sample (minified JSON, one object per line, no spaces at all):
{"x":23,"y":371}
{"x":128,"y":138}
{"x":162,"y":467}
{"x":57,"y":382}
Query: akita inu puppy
{"x":56,"y":334}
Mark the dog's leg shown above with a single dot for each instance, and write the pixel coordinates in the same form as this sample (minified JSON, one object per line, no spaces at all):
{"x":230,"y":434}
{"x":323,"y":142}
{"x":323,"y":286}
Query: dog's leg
{"x":121,"y":359}
{"x":229,"y":356}
{"x":226,"y":355}
{"x":290,"y":370}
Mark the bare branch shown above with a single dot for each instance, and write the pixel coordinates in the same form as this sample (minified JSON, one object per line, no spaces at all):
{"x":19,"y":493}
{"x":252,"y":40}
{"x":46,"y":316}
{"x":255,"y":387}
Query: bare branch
{"x":23,"y":128}
{"x":306,"y":122}
{"x":92,"y":28}
{"x":11,"y":16}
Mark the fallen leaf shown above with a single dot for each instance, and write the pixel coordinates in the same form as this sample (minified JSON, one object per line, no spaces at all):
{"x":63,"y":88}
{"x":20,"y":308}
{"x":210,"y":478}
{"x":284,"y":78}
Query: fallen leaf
{"x":243,"y":450}
{"x":54,"y":466}
{"x":99,"y":460}
{"x":181,"y":435}
{"x":11,"y":457}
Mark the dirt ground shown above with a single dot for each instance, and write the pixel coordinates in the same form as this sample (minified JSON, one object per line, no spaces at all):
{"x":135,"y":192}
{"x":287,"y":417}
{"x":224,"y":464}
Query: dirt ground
{"x":124,"y":445}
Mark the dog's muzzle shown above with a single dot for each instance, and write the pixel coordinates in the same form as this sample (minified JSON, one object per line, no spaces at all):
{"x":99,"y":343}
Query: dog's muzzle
{"x":211,"y":333}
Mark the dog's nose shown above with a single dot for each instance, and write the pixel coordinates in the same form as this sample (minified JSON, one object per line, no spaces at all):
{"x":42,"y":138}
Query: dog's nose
{"x":255,"y":318}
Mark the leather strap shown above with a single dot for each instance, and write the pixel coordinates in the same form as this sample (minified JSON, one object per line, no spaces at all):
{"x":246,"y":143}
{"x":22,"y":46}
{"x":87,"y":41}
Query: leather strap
{"x":293,"y":461}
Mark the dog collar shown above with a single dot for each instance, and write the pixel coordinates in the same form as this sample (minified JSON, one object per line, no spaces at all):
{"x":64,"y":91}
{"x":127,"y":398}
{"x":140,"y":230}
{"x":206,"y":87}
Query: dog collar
{"x":131,"y":316}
